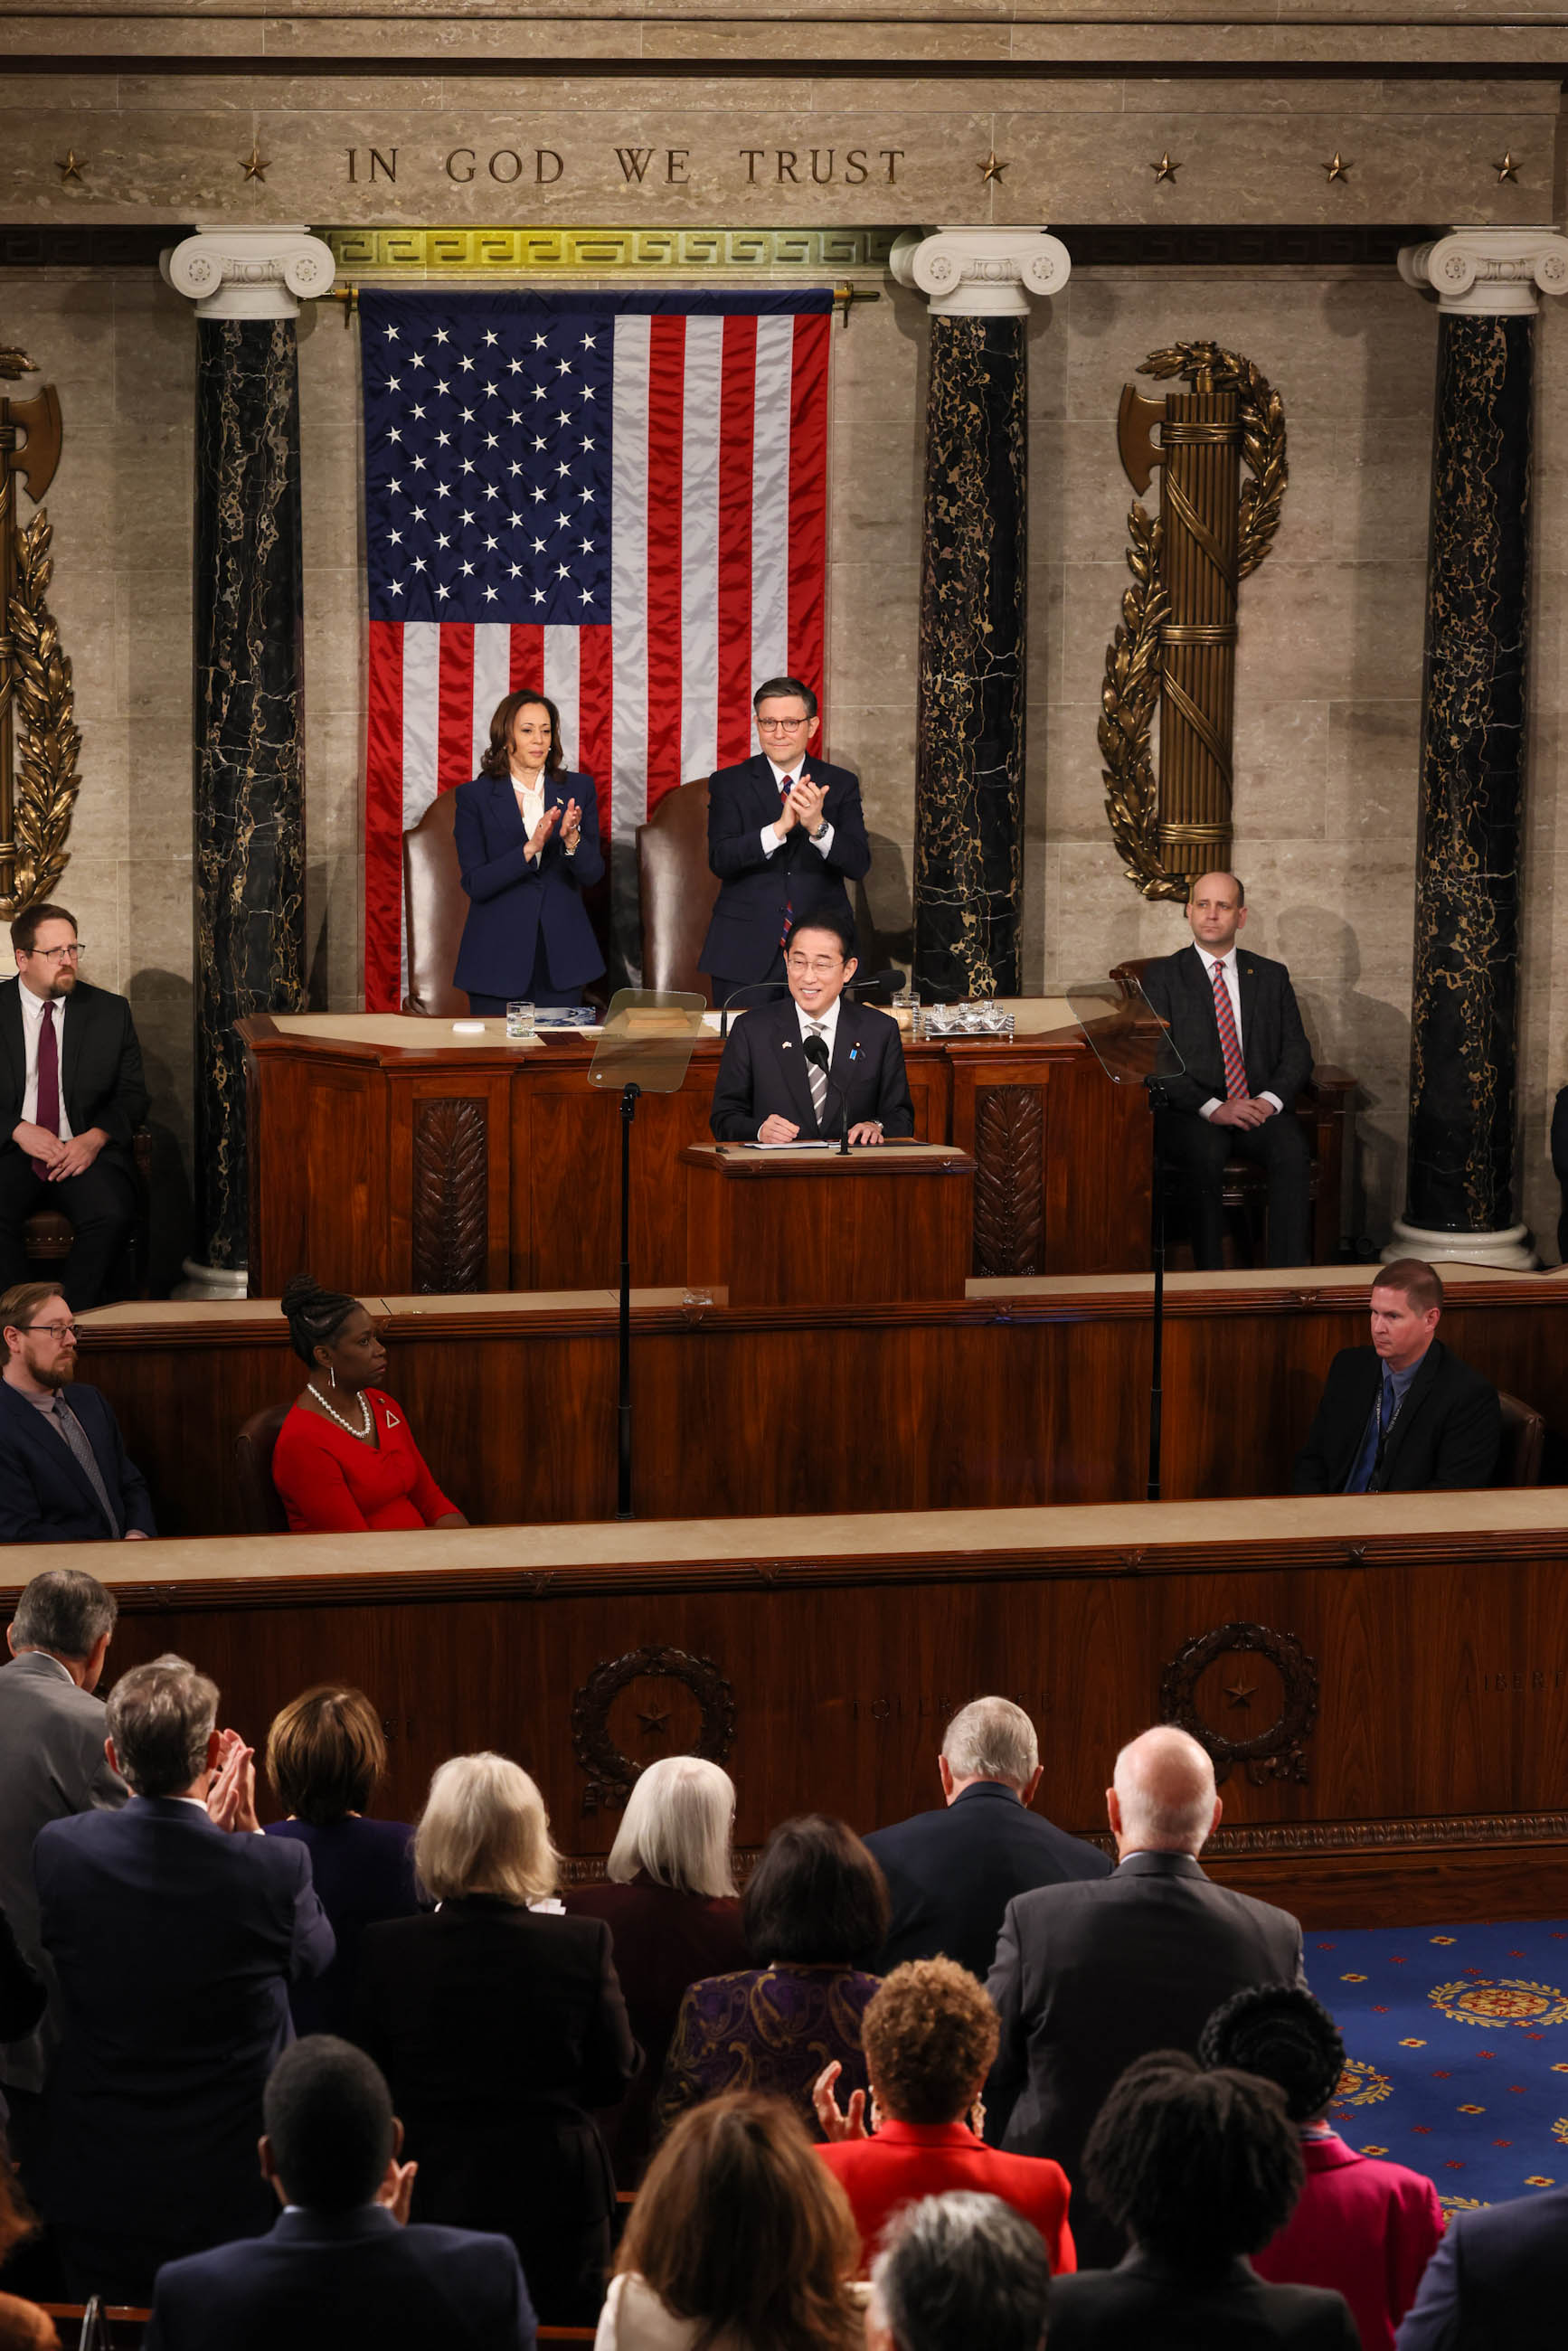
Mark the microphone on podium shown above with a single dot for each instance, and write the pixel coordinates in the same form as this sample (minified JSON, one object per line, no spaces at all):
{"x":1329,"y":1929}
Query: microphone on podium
{"x":891,"y":979}
{"x":816,"y":1051}
{"x":761,"y":990}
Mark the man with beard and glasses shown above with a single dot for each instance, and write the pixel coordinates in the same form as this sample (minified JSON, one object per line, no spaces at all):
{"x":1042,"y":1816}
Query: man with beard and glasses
{"x":64,"y":1475}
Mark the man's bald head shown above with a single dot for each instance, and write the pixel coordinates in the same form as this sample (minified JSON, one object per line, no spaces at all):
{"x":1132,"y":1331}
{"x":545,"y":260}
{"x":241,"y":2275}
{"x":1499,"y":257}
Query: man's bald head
{"x":1163,"y":1797}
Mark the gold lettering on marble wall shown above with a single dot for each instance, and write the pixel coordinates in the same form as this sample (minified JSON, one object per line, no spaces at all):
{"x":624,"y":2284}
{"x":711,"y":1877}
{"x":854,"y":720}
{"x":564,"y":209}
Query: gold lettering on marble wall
{"x":663,"y":167}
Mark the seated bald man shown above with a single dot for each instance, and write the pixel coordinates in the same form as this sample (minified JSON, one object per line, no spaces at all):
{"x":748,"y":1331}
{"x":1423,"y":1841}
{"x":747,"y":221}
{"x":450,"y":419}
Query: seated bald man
{"x":1232,"y":1018}
{"x":1090,"y":1975}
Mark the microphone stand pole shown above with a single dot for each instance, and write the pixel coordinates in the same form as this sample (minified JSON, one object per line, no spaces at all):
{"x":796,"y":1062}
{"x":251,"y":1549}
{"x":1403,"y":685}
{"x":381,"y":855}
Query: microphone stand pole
{"x":629,"y":1094}
{"x":1158,"y":1201}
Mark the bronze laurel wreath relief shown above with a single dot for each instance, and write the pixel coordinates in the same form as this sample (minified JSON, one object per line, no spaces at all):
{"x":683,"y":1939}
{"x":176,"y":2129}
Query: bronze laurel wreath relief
{"x":37,"y":794}
{"x":1176,"y":647}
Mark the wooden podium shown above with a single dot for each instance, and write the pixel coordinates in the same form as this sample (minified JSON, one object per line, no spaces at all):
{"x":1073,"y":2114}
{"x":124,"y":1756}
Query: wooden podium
{"x":803,"y":1228}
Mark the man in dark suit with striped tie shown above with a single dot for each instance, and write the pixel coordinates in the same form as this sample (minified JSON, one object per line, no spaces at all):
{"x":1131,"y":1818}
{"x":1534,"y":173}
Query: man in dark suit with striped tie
{"x":784,"y":830}
{"x":803,"y":1070}
{"x":1233,"y":1018}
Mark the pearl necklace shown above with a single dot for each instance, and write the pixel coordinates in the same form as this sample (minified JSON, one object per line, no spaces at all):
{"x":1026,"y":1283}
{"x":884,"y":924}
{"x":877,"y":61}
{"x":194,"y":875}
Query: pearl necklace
{"x":332,"y":1414}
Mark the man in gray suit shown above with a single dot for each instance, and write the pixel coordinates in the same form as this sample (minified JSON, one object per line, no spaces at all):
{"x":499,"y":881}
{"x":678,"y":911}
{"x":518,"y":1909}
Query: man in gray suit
{"x":52,"y":1764}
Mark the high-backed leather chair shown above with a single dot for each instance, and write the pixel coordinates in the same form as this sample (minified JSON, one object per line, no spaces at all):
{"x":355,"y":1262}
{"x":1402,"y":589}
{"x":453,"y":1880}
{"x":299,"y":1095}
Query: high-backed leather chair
{"x":264,"y":1510}
{"x":46,"y":1234}
{"x":678,"y":890}
{"x":1523,"y":1443}
{"x":435,"y":909}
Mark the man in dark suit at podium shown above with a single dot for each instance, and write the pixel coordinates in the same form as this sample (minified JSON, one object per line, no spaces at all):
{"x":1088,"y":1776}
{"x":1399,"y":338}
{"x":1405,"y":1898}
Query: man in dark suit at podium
{"x":783,"y":831}
{"x":1233,"y":1019}
{"x":797,"y":1070}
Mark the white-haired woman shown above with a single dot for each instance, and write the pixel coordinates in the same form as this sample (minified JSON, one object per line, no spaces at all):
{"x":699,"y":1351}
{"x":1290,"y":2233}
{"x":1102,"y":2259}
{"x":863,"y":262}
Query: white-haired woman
{"x":498,"y":2025}
{"x":669,"y":1901}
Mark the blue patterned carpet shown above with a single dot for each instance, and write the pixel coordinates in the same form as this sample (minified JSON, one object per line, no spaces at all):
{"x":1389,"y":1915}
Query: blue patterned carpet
{"x":1457,"y":2041}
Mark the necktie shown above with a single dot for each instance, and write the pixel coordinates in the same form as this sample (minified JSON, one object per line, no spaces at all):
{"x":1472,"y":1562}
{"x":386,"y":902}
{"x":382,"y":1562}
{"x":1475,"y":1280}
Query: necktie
{"x":75,"y":1435}
{"x":1379,"y":1421}
{"x":49,"y":1111}
{"x":818,"y":1079}
{"x":1230,"y":1043}
{"x":787,"y":786}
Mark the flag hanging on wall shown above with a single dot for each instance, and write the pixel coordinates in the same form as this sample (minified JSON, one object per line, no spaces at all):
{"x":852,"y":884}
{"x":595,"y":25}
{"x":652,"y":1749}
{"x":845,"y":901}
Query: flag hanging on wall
{"x":619,"y":499}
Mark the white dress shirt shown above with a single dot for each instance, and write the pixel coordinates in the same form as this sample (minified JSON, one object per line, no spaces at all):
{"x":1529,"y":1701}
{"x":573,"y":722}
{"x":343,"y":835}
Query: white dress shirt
{"x":826,"y":1021}
{"x":531,"y":800}
{"x":770,"y":840}
{"x":32,"y":1031}
{"x":1226,"y":964}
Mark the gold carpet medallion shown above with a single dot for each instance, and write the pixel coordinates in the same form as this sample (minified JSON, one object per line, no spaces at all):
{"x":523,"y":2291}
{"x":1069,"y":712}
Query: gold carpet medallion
{"x":1500,"y":2000}
{"x":1361,"y":2085}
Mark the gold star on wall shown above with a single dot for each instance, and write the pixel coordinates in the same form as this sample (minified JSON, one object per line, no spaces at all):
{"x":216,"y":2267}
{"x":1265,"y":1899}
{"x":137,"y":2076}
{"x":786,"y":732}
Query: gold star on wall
{"x":990,"y":168}
{"x":72,"y":168}
{"x":1339,"y":169}
{"x":1165,"y":169}
{"x":254,"y":167}
{"x":1507,"y":169}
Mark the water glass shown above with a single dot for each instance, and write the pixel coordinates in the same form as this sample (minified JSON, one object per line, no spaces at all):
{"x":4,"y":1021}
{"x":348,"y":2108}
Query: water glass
{"x":520,"y":1020}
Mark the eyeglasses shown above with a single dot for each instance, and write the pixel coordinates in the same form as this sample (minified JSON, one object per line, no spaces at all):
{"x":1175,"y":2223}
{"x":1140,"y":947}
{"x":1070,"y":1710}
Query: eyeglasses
{"x":56,"y":1330}
{"x":781,"y":726}
{"x":56,"y":955}
{"x":820,"y":968}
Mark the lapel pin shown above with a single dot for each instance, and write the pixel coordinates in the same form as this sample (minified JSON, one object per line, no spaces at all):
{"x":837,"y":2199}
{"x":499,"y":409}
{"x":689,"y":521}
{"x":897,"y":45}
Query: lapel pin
{"x":785,"y":1048}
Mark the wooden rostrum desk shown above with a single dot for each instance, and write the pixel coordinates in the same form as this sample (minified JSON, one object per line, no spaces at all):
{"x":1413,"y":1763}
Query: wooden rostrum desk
{"x":389,"y":1153}
{"x":1384,"y":1678}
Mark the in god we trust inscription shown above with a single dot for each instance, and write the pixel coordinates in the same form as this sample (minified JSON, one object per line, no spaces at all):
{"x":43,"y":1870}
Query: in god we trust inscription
{"x":538,"y":166}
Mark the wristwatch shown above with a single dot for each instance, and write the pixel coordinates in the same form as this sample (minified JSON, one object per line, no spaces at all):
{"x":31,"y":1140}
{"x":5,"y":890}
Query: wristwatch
{"x":818,"y":834}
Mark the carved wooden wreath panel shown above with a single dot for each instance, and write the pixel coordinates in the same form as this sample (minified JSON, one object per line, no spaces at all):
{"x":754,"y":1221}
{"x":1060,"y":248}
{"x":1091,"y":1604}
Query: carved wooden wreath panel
{"x":1278,"y":1752}
{"x":612,"y":1774}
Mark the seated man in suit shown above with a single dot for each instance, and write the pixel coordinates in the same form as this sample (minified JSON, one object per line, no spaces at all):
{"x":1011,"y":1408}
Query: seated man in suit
{"x":783,"y":830}
{"x":175,"y":1930}
{"x":1402,"y":1416}
{"x":1498,"y":2280}
{"x":71,"y":1096}
{"x":1233,"y":1019}
{"x":1089,"y":1976}
{"x":65,"y":1476}
{"x":802,"y":1069}
{"x":339,"y":2264}
{"x":951,"y":1874}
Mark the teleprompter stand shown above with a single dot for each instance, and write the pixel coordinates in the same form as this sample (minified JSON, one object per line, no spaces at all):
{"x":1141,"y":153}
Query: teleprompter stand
{"x":1132,"y":1046}
{"x":645,"y":1047}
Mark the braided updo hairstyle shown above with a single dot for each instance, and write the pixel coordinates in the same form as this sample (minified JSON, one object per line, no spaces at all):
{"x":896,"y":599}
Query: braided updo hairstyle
{"x":315,"y":1315}
{"x":1284,"y":2035}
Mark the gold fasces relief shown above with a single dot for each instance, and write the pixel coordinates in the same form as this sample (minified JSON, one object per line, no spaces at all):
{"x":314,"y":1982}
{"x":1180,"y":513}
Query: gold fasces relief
{"x":1176,"y":645}
{"x":39,"y":789}
{"x":415,"y":252}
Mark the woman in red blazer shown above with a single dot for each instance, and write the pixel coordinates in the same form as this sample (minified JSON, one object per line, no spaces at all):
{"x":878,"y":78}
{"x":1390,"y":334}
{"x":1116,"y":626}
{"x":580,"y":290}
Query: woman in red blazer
{"x":930,"y":2036}
{"x":345,"y":1460}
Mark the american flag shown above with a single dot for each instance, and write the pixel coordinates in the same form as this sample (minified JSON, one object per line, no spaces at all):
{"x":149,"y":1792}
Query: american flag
{"x":619,"y":499}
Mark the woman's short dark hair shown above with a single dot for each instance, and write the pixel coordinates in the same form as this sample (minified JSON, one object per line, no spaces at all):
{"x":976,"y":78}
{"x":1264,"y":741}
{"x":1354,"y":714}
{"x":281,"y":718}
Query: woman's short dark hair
{"x":325,"y":1753}
{"x":1286,"y":2036}
{"x":816,"y":1897}
{"x":929,"y":2036}
{"x":315,"y":1315}
{"x":497,"y":760}
{"x":1198,"y":2167}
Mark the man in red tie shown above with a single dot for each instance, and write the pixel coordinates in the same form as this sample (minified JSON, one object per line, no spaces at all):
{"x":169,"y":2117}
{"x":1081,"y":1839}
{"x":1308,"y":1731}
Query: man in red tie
{"x":1234,"y":1021}
{"x":71,"y":1097}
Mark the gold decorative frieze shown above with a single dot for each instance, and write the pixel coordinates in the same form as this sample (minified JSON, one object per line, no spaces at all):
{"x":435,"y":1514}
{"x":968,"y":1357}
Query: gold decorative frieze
{"x":447,"y":252}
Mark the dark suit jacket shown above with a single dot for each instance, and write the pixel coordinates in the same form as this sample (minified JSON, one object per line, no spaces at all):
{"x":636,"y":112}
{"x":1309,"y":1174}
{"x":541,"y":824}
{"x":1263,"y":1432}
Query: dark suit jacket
{"x":362,"y":1872}
{"x":1446,"y":1433}
{"x":1497,"y":2281}
{"x":46,"y":1496}
{"x":101,"y":1083}
{"x":52,"y":1764}
{"x":748,"y":919}
{"x":1273,"y":1042}
{"x":174,"y":1945}
{"x":1144,"y":2306}
{"x":763,"y":1070}
{"x":512,"y":899}
{"x":322,"y":2281}
{"x":951,"y":1874}
{"x":1088,"y":1977}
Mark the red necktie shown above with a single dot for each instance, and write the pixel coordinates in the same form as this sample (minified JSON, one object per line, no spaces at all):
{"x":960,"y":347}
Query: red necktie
{"x":784,"y":789}
{"x":1230,"y":1043}
{"x":48,"y":1114}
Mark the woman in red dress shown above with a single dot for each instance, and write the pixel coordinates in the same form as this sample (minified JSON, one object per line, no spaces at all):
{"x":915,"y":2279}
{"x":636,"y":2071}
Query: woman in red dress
{"x":346,"y":1461}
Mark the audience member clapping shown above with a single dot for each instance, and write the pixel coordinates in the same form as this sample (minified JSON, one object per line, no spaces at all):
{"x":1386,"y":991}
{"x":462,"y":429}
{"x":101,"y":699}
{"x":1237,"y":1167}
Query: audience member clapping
{"x":497,"y":2023}
{"x":669,"y":1901}
{"x":1366,"y":2228}
{"x":174,"y":1945}
{"x":325,"y":1755}
{"x":339,"y":2268}
{"x":930,"y":2036}
{"x":959,"y":2272}
{"x":815,"y":1916}
{"x":738,"y":2238}
{"x":1200,"y":2169}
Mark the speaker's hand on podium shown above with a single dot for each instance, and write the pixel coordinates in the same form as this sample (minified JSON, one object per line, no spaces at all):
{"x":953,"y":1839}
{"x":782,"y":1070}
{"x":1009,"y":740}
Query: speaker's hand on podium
{"x":775,"y":1129}
{"x":867,"y":1130}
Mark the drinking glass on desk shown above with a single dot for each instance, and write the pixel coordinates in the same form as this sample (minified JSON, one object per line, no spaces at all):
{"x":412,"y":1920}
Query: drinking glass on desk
{"x":907,"y":1000}
{"x":520,"y":1020}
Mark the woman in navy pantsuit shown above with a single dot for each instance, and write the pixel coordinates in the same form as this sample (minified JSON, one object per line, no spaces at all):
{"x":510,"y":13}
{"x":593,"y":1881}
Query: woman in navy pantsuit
{"x":527,"y":843}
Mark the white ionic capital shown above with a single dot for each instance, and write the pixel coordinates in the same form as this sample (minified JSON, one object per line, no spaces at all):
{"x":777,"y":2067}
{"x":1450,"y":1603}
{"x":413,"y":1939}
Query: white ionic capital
{"x":249,"y":273}
{"x":980,"y":273}
{"x":1490,"y":272}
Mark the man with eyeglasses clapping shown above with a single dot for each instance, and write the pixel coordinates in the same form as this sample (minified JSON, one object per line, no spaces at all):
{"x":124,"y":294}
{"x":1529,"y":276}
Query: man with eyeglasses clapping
{"x":64,"y":1475}
{"x":784,"y":831}
{"x":71,"y":1097}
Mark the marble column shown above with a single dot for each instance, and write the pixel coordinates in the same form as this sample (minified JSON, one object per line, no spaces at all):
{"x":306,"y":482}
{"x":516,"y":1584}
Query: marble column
{"x":969,"y":775}
{"x":1459,"y":1176}
{"x":249,"y":692}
